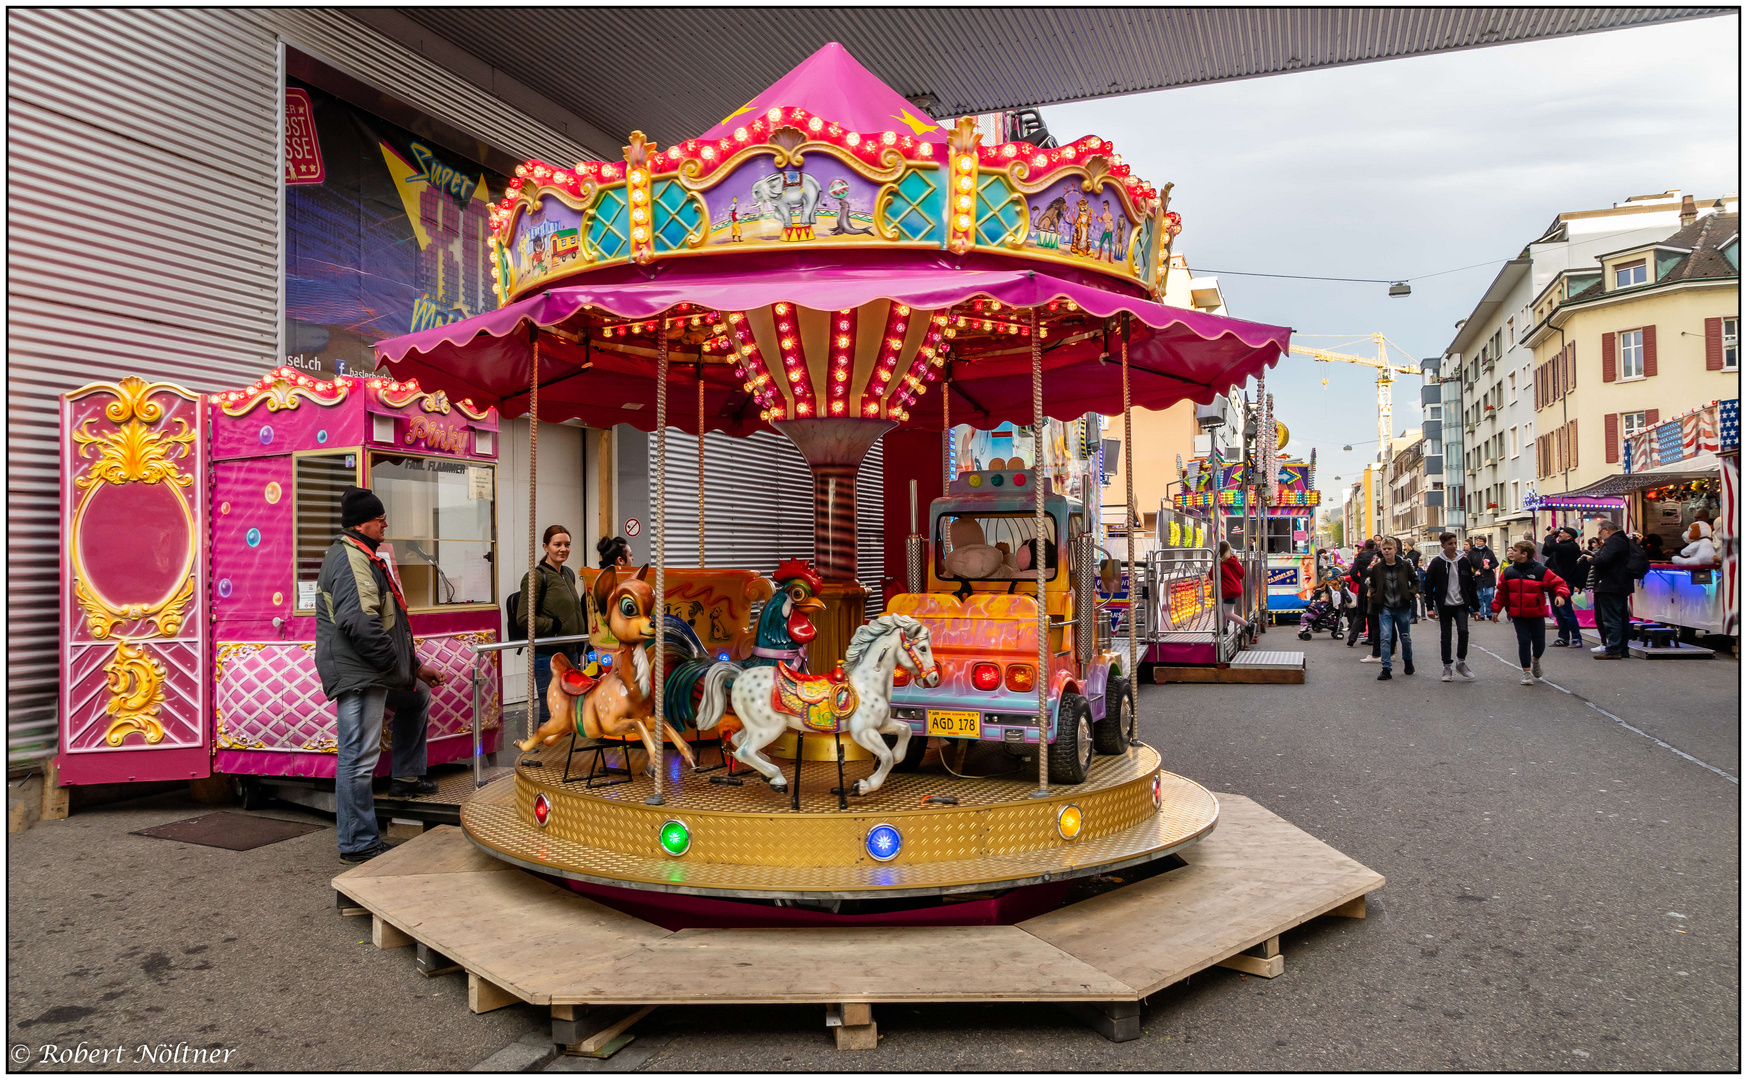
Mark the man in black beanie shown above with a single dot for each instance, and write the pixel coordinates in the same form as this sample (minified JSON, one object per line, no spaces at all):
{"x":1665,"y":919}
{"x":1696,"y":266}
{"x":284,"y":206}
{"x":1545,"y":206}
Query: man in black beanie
{"x":364,"y":654}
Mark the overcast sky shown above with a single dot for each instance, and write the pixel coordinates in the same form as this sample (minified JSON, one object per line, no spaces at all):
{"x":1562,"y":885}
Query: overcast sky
{"x":1410,"y":167}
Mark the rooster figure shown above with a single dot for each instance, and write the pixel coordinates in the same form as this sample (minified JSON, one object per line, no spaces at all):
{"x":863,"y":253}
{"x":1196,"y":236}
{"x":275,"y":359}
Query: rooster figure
{"x":784,"y":629}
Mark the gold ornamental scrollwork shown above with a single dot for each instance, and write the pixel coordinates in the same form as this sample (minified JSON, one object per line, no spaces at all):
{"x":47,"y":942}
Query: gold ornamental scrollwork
{"x":136,"y":694}
{"x":282,"y":393}
{"x":102,"y":616}
{"x":133,"y":451}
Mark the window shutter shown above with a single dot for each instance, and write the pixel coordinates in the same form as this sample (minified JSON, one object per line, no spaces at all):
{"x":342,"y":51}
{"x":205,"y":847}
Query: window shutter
{"x":1607,"y":358}
{"x":1649,"y":351}
{"x":1571,"y":368}
{"x":1538,"y":387}
{"x":1713,"y":344}
{"x":1652,"y":417}
{"x":1610,"y":434}
{"x":1573,"y":427}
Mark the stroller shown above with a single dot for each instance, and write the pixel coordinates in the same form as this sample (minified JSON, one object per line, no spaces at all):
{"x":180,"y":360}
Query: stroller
{"x":1329,"y":603}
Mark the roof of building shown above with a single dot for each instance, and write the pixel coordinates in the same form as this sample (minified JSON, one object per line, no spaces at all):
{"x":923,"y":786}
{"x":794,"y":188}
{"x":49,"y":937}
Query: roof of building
{"x":1703,"y":239}
{"x":675,"y":71}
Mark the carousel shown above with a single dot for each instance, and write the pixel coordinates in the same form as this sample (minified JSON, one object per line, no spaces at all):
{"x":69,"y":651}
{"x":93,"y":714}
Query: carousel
{"x":829,"y":264}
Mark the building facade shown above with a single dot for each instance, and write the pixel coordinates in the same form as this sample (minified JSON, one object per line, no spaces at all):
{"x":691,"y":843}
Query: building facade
{"x":1498,"y":418}
{"x":1647,"y":331}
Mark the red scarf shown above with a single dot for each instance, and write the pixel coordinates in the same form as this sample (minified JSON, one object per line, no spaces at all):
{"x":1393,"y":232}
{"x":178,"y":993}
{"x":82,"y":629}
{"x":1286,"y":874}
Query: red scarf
{"x":381,"y":564}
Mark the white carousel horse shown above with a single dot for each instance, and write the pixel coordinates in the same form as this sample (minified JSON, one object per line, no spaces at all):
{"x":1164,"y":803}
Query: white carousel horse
{"x":856,"y":699}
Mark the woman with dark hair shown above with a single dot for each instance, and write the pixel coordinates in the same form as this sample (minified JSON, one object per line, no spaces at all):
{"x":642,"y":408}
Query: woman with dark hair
{"x":557,"y":608}
{"x":614,"y":551}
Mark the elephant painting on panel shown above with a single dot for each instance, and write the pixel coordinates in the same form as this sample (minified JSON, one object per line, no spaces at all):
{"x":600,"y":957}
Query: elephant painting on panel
{"x":793,"y":196}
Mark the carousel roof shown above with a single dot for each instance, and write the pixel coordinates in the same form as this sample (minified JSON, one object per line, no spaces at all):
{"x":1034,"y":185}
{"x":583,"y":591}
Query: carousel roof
{"x":824,"y":252}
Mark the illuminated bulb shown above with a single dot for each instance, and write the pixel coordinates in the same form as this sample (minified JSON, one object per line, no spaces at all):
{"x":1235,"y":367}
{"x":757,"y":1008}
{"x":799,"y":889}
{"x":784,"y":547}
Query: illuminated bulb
{"x":963,"y":222}
{"x":964,"y":202}
{"x":775,"y":114}
{"x":967,"y":164}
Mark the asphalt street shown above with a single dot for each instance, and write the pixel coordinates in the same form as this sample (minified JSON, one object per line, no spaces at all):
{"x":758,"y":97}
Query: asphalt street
{"x":1563,"y":865}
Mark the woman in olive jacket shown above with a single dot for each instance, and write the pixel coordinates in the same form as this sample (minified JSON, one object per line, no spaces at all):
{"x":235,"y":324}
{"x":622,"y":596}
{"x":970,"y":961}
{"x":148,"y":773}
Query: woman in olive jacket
{"x":557,"y":610}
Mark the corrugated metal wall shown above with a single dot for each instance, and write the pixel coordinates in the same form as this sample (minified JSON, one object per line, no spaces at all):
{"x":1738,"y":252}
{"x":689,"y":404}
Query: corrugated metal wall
{"x":172,"y":117}
{"x":759,"y":505}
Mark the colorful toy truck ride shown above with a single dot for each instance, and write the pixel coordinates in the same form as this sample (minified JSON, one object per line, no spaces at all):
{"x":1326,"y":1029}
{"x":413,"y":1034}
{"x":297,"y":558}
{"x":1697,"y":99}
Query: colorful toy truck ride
{"x":981,"y":608}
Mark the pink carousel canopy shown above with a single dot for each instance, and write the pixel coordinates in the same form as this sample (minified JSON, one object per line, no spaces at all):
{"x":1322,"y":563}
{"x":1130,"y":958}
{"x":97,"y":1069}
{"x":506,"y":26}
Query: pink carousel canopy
{"x":808,"y":264}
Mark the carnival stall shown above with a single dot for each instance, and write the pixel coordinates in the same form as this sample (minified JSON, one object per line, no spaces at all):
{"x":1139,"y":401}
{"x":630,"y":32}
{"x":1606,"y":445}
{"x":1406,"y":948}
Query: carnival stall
{"x":197,"y":525}
{"x":1283,"y":502}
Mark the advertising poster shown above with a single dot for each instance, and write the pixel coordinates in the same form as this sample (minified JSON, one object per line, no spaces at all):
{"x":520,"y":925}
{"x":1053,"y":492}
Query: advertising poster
{"x":385,"y":233}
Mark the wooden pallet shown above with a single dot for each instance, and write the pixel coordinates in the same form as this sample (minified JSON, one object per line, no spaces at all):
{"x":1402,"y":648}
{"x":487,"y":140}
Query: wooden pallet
{"x":1251,"y":666}
{"x":1255,"y":877}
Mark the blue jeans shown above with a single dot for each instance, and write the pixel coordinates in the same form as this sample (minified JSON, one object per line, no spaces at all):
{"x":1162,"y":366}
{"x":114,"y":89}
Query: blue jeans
{"x":1392,"y":623}
{"x":1610,"y":621}
{"x":360,"y":745}
{"x":1486,"y":602}
{"x":1566,"y":619}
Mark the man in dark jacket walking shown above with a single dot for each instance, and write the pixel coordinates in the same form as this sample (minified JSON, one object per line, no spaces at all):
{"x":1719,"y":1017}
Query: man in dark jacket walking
{"x":1563,"y":554}
{"x":1611,"y":577}
{"x":364,"y":654}
{"x":1360,"y":575}
{"x":1450,"y":591}
{"x":1393,"y":585}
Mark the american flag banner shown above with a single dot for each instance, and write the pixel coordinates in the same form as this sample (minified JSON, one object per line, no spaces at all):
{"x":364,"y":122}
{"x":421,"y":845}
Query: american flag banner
{"x":1669,"y":444}
{"x":1729,"y":424}
{"x":1643,"y":451}
{"x":1698,"y":431}
{"x":1725,"y":532}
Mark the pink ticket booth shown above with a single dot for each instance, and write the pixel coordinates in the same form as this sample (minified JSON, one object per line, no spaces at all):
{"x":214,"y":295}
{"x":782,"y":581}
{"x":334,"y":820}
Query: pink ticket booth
{"x":196,"y":525}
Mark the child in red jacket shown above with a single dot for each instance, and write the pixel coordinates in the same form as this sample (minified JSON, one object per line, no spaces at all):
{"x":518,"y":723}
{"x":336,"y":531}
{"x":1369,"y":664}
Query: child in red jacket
{"x":1522,"y":594}
{"x":1231,"y":582}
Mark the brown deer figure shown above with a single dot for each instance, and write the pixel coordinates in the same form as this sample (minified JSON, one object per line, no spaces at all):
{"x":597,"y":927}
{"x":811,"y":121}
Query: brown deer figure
{"x":622,"y":701}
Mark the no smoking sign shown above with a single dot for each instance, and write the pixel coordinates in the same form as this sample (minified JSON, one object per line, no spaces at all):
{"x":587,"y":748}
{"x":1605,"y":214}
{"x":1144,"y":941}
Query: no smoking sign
{"x":633,"y":526}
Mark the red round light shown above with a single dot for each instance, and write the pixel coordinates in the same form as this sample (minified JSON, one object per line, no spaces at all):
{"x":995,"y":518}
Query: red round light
{"x":986,"y":676}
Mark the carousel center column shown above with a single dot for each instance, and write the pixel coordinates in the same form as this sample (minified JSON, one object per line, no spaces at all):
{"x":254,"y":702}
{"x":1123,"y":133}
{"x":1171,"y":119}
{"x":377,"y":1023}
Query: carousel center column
{"x":834,"y":449}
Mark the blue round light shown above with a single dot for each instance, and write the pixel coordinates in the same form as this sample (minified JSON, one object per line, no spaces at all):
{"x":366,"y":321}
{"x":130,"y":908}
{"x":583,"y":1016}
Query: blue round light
{"x":997,"y":480}
{"x":321,"y":436}
{"x":253,"y":537}
{"x":884,"y":842}
{"x":722,"y":656}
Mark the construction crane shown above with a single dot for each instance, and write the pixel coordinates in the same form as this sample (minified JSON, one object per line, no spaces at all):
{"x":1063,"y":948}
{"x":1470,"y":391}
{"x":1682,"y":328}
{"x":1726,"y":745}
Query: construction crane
{"x":1386,"y":371}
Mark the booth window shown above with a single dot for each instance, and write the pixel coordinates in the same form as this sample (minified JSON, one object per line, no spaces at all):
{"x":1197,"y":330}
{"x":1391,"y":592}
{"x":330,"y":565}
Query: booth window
{"x":319,"y":479}
{"x":442,"y":522}
{"x":970,"y":546}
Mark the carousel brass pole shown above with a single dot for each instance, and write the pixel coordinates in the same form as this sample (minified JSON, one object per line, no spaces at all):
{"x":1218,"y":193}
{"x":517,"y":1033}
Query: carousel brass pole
{"x":659,"y":721}
{"x":1133,"y":584}
{"x":1040,"y":560}
{"x":531,"y":602}
{"x":700,"y":466}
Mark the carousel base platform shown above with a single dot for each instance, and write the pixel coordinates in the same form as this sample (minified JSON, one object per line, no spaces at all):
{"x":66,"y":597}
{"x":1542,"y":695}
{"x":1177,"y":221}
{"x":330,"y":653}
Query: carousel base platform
{"x":942,"y":834}
{"x":1238,"y":890}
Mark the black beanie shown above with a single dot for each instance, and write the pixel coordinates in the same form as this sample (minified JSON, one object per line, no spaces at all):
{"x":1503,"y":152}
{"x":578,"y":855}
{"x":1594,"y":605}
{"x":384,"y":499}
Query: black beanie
{"x":358,"y":505}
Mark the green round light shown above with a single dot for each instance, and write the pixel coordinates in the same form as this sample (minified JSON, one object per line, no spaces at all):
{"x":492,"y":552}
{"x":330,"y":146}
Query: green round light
{"x":675,"y":838}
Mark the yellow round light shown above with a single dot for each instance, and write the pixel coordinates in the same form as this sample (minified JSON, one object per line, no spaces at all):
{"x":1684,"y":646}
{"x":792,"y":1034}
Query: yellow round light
{"x":964,"y":223}
{"x":1069,"y":821}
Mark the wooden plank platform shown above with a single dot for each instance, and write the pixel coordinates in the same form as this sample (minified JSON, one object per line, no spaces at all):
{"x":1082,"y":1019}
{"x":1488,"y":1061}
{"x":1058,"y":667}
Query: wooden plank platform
{"x":1269,"y":669}
{"x":1253,"y":878}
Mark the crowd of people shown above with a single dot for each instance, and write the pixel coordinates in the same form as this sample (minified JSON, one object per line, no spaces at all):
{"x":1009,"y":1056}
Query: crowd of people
{"x":1389,"y":590}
